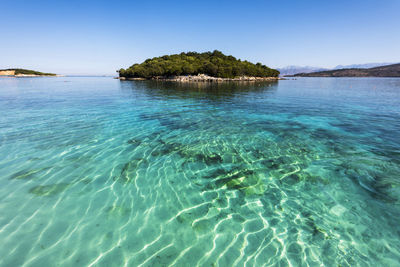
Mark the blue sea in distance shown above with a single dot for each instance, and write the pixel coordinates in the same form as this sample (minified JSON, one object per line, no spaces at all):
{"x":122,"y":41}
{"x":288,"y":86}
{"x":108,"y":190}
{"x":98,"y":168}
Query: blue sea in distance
{"x":100,"y":172}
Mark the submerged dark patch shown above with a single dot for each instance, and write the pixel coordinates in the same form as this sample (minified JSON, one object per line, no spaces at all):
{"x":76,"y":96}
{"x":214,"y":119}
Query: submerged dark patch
{"x":27,"y":174}
{"x":49,"y":190}
{"x":127,"y":173}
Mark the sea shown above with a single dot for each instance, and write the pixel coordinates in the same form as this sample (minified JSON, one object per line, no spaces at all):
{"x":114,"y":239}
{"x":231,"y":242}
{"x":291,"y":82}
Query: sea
{"x":95,"y":171}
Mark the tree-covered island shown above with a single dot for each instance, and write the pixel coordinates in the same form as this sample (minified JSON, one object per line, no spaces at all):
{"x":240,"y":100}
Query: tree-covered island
{"x":206,"y":66}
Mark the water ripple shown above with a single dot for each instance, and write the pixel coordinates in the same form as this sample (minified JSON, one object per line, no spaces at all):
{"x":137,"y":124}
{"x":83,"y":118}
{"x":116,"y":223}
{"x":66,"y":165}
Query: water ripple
{"x":111,"y":173}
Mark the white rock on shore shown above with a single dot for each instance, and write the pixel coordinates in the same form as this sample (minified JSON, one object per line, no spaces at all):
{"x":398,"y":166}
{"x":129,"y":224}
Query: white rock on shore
{"x":205,"y":78}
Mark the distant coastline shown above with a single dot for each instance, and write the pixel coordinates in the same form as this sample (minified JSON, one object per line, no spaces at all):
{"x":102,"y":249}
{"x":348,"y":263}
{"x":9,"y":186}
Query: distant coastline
{"x":24,"y":73}
{"x":382,"y":71}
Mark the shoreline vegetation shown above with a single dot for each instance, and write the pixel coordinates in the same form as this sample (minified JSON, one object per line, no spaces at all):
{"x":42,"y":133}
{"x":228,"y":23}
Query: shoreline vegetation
{"x":198,"y":67}
{"x":202,"y":78}
{"x":24,"y":73}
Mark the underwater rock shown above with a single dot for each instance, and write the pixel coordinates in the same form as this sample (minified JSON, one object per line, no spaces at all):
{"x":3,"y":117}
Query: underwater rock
{"x":235,"y":175}
{"x":213,"y":159}
{"x":194,"y":156}
{"x":270,"y":164}
{"x":134,"y":141}
{"x":194,"y":214}
{"x":150,"y":116}
{"x":245,"y":180}
{"x":338,"y":210}
{"x":167,"y":149}
{"x":86,"y":180}
{"x":217,"y":173}
{"x":173,"y":124}
{"x":209,"y":159}
{"x":117,"y":210}
{"x":203,"y":226}
{"x":325,"y":134}
{"x":373,"y":183}
{"x":125,"y":175}
{"x":27,"y":174}
{"x":238,"y":218}
{"x":206,"y":158}
{"x":291,"y":179}
{"x":48,"y":190}
{"x":124,"y":172}
{"x":258,"y":154}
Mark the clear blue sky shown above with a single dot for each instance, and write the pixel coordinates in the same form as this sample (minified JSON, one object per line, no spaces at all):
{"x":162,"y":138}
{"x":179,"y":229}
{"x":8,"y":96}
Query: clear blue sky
{"x":99,"y":37}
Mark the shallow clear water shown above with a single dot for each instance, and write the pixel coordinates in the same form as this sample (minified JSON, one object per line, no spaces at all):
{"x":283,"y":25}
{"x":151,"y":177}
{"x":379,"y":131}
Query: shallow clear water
{"x":102,"y":172}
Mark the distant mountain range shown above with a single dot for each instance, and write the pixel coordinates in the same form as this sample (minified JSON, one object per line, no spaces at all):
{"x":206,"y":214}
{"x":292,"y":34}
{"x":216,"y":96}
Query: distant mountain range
{"x":291,"y":70}
{"x":382,"y":71}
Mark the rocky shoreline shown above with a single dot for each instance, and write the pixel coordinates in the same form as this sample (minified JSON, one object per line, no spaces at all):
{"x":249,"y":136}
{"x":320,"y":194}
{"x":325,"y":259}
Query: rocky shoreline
{"x":203,"y":78}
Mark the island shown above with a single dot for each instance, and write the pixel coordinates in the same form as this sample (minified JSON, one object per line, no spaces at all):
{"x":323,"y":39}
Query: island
{"x":23,"y":73}
{"x":193,"y":66}
{"x":382,"y":71}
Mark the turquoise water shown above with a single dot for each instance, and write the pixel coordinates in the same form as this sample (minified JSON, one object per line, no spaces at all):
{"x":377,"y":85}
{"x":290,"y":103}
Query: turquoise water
{"x":102,"y":172}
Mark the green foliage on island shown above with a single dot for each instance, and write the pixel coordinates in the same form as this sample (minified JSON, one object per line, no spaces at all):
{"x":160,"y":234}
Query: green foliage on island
{"x":29,"y":72}
{"x":214,"y":64}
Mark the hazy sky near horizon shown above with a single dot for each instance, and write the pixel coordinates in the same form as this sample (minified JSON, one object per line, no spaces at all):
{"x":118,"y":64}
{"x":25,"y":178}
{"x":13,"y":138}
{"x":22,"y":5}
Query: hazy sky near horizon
{"x":99,"y":37}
